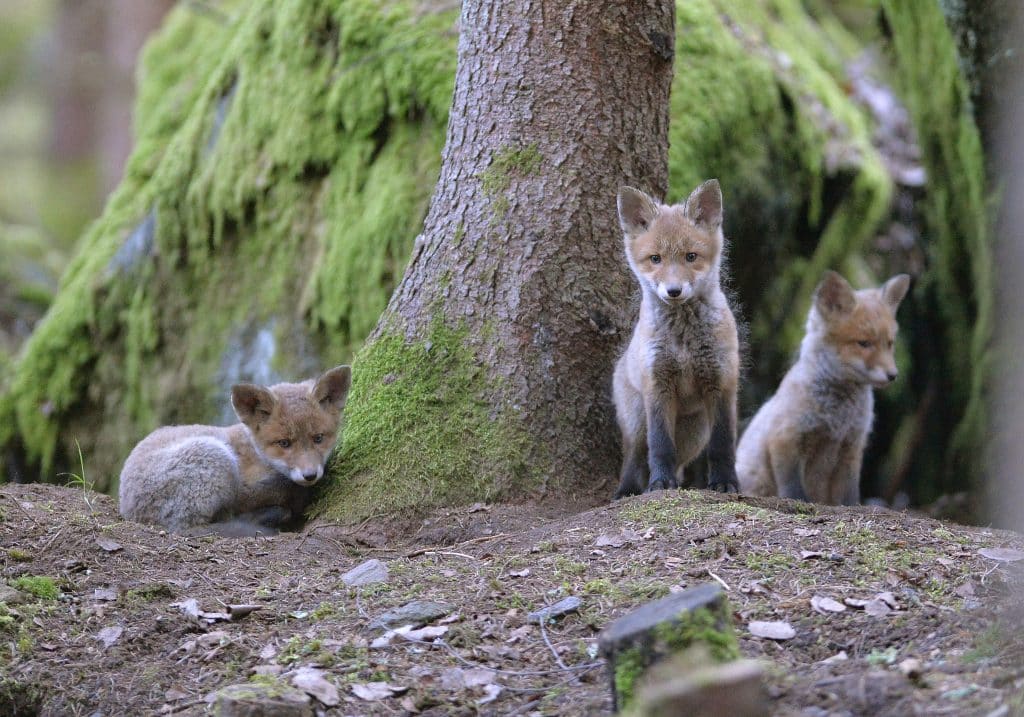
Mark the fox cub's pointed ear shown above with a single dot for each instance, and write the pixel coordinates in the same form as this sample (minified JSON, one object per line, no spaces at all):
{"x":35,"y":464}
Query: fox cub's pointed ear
{"x":895,"y":289}
{"x":331,"y":389}
{"x":252,"y":403}
{"x":704,"y":205}
{"x":834,"y":295}
{"x":637,"y":211}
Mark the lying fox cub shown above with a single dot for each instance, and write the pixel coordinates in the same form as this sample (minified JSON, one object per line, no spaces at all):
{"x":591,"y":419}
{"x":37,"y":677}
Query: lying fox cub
{"x":252,"y":477}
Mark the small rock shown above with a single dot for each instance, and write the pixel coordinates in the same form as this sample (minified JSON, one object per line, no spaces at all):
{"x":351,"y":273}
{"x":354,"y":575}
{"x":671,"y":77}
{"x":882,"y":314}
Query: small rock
{"x":562,"y":607}
{"x":256,"y":700}
{"x":368,"y":573}
{"x":11,"y":596}
{"x":417,"y":612}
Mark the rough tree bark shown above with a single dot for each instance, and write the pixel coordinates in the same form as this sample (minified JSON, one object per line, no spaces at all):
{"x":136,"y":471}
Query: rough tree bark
{"x":557,"y":103}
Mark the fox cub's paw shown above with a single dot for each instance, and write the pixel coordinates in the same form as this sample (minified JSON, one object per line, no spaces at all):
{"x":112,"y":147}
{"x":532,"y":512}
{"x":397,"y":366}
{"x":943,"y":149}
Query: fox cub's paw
{"x":626,"y":490}
{"x":724,"y":480}
{"x":661,"y":484}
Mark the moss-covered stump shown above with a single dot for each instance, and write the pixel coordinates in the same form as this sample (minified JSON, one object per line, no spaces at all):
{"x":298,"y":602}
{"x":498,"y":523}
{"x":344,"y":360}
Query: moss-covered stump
{"x":696,"y":618}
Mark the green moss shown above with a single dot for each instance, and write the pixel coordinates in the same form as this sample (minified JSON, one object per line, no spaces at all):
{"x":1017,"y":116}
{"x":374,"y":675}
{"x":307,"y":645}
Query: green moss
{"x":707,"y":628}
{"x":418,"y":425}
{"x":297,"y":137}
{"x":6,"y":616}
{"x":147,"y":593}
{"x":39,"y":586}
{"x":19,"y":555}
{"x":961,"y":284}
{"x":760,"y":102}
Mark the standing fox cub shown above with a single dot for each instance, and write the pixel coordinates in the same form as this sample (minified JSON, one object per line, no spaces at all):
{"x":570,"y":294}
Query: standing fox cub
{"x":807,"y":441}
{"x":675,"y":386}
{"x":244,"y":479}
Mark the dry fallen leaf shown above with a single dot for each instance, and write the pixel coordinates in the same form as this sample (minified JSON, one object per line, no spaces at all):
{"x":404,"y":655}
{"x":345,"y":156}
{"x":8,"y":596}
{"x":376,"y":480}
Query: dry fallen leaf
{"x":964,"y":590}
{"x":519,"y":633}
{"x":491,"y":693}
{"x":311,"y":681}
{"x":520,"y":573}
{"x":109,"y":635}
{"x":776,"y":630}
{"x":107,"y":594}
{"x":809,"y":554}
{"x":889,"y":599}
{"x":840,"y":656}
{"x":459,"y":678}
{"x":1003,"y":555}
{"x":824,"y":604}
{"x":805,"y":532}
{"x":111,"y":546}
{"x":425,"y":634}
{"x":877,"y":608}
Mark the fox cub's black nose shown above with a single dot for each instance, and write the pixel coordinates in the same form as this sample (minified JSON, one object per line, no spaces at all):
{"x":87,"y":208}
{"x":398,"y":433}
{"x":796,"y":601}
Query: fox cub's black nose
{"x":892,"y":375}
{"x":674,"y":293}
{"x":309,"y":477}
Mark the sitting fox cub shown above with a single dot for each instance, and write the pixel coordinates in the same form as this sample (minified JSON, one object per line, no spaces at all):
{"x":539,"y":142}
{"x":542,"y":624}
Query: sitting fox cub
{"x":807,"y":441}
{"x":244,"y":479}
{"x":675,"y":386}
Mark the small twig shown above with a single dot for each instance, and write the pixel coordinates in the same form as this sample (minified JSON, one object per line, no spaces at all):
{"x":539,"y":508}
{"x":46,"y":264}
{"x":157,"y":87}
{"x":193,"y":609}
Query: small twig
{"x":436,"y":548}
{"x":359,"y":603}
{"x":50,"y":541}
{"x":720,"y":581}
{"x":547,"y":641}
{"x":448,"y":552}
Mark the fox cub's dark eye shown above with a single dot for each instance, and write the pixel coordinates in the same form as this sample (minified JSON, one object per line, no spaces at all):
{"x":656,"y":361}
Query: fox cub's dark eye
{"x":285,"y":443}
{"x":655,"y":258}
{"x":318,"y":438}
{"x":691,"y":256}
{"x":864,"y":344}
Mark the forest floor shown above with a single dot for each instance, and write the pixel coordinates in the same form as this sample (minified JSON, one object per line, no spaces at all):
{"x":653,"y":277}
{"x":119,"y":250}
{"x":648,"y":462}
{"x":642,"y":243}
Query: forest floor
{"x":101,"y":622}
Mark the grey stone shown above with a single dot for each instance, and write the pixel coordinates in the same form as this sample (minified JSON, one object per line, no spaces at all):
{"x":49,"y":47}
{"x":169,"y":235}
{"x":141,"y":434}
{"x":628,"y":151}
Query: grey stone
{"x":416,"y":613}
{"x":11,"y":596}
{"x":258,"y":700}
{"x":562,"y":607}
{"x":368,"y":573}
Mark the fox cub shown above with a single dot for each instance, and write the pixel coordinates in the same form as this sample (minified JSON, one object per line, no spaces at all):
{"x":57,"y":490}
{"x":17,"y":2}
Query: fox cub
{"x":807,"y":441}
{"x":252,"y":477}
{"x":675,"y":386}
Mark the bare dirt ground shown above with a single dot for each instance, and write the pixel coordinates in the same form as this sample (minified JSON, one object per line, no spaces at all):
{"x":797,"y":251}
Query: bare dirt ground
{"x":100,"y":623}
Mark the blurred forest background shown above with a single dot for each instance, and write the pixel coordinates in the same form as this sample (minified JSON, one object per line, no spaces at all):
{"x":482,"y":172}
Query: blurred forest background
{"x":67,"y":87}
{"x":850,"y":134}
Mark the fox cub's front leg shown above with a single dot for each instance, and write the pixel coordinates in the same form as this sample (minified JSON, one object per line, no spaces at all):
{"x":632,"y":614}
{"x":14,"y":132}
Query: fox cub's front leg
{"x":722,"y":446}
{"x":661,"y":445}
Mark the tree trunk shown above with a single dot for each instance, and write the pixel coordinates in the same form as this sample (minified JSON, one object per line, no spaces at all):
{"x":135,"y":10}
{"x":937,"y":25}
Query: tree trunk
{"x":519,"y":270}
